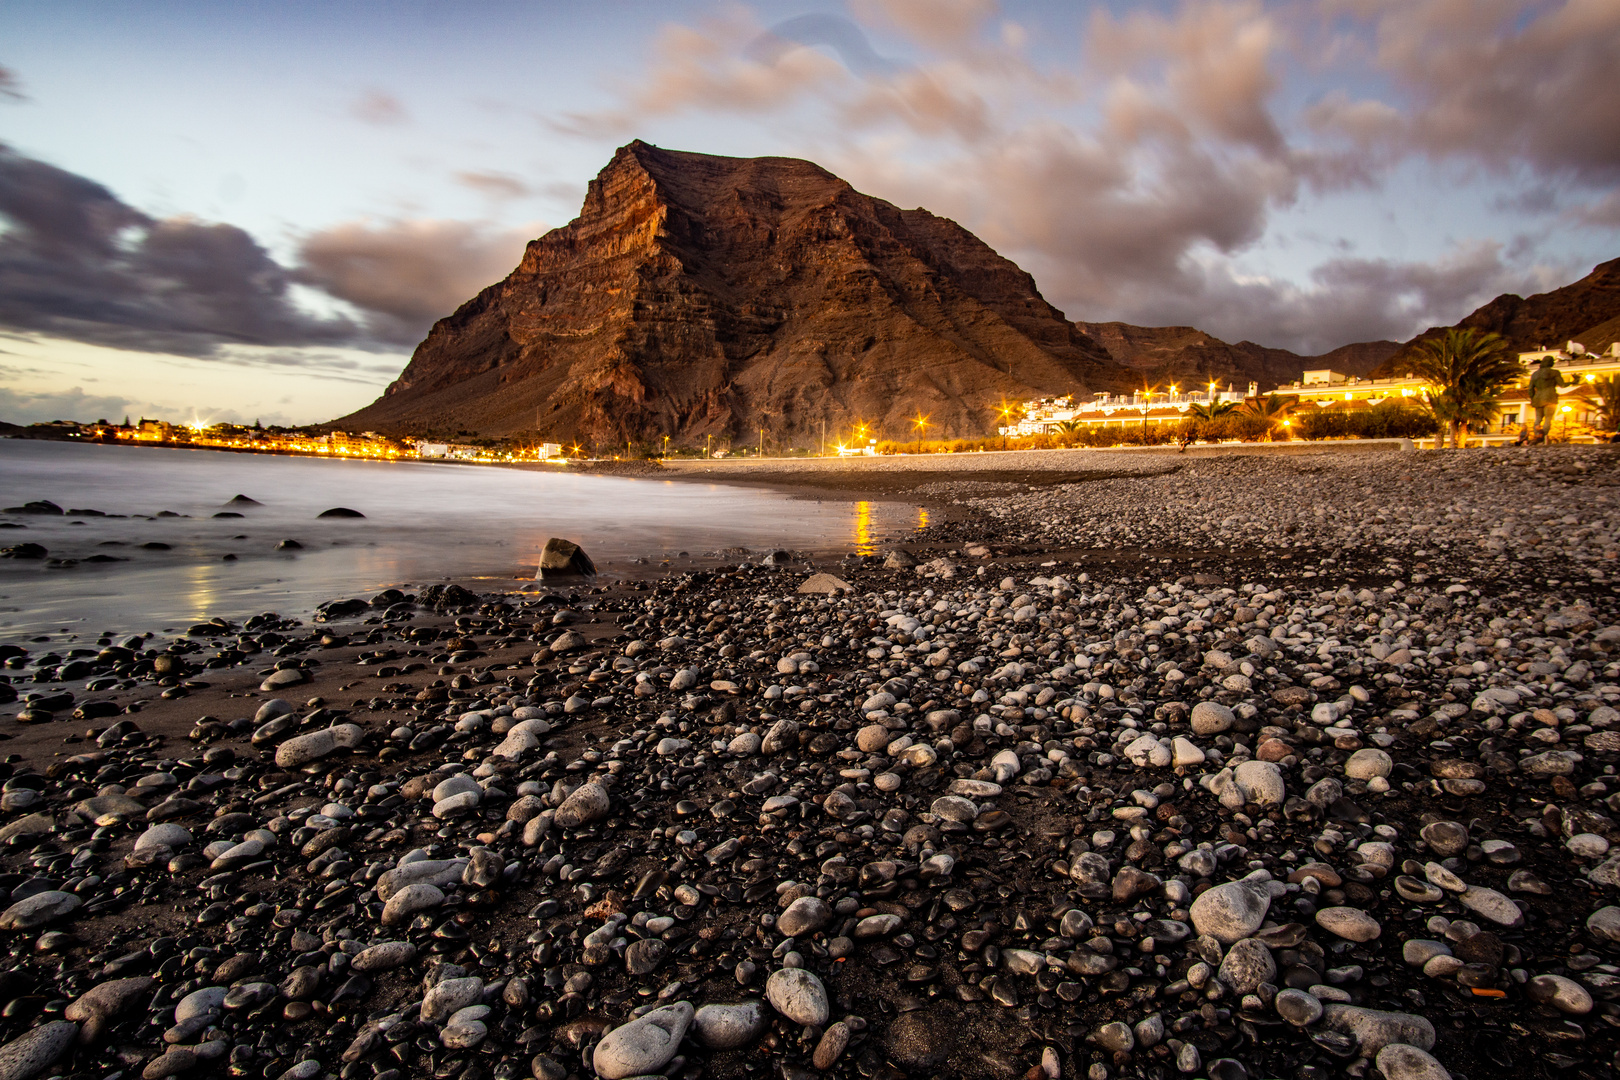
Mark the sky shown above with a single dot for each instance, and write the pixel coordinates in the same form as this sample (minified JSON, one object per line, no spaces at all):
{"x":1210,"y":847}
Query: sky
{"x":254,"y":211}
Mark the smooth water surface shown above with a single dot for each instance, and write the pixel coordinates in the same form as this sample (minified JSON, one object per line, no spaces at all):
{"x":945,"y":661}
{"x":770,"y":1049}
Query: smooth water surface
{"x":423,"y":522}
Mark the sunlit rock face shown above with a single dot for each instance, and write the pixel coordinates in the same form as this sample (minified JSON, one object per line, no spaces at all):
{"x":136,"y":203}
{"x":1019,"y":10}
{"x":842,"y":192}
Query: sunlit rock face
{"x":699,"y":295}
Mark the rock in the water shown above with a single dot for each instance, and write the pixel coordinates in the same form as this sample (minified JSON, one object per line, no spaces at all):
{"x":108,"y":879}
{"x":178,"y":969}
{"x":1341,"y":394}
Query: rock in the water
{"x":564,"y":559}
{"x":727,"y":1027}
{"x":798,"y":995}
{"x":340,"y":512}
{"x":644,"y":1045}
{"x":30,"y":1053}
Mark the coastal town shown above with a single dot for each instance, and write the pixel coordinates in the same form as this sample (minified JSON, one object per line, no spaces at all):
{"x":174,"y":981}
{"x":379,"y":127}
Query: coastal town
{"x":1321,"y":405}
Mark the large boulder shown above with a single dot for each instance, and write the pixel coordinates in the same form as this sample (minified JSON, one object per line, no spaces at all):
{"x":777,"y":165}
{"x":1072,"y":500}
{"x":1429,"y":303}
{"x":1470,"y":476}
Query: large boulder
{"x":564,"y":559}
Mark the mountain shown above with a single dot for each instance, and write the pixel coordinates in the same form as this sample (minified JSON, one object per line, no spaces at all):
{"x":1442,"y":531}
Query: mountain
{"x":708,"y":296}
{"x":1587,"y":311}
{"x":1165,"y":354}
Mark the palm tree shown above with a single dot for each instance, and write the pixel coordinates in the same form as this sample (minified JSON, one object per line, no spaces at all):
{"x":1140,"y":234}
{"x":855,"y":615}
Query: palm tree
{"x":1211,"y":411}
{"x":1603,"y":395}
{"x":1468,"y":369}
{"x":1273,"y":409}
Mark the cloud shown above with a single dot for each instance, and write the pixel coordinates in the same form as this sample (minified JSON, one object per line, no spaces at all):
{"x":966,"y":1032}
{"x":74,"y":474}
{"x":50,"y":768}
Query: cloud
{"x":833,"y":31}
{"x":23,"y":407}
{"x":940,"y":23}
{"x":379,"y":107}
{"x":495,"y":185}
{"x":11,"y":85}
{"x":1346,"y":299}
{"x":405,"y":275}
{"x":1507,"y":83}
{"x":1604,"y":213}
{"x":79,"y":263}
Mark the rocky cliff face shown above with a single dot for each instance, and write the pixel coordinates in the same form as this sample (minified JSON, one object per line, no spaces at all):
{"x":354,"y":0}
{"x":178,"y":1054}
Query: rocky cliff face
{"x":698,"y":295}
{"x":1587,"y":311}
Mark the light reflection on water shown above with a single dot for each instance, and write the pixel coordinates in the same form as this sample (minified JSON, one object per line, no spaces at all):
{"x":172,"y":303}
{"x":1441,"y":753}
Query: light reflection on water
{"x":424,"y":523}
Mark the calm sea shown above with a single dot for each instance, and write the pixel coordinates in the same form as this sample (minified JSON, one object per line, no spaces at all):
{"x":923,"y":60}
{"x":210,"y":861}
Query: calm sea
{"x":423,"y":523}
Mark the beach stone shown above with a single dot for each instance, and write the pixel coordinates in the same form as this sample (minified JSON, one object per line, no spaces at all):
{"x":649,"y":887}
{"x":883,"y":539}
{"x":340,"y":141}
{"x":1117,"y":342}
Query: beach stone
{"x":644,"y":1045}
{"x":1492,"y":905}
{"x":437,"y":872}
{"x":408,"y":901}
{"x":1605,"y":922}
{"x":745,"y":745}
{"x":1587,"y":846}
{"x":1551,"y":763}
{"x":1350,"y":923}
{"x":166,"y":836}
{"x":1231,"y":911}
{"x":873,"y":739}
{"x":38,"y":910}
{"x":798,"y":995}
{"x":284,"y":678}
{"x":172,"y":1062}
{"x":825,"y":585}
{"x":32,"y":1052}
{"x":1398,"y":1061}
{"x":1374,"y":1029}
{"x":643,"y":957}
{"x":782,"y":736}
{"x":1210,"y":718}
{"x":564,"y":559}
{"x":831,"y":1046}
{"x":727,"y":1027}
{"x":302,"y":749}
{"x":451,"y":996}
{"x":1445,"y":838}
{"x":107,"y":999}
{"x":1565,"y":995}
{"x":1261,"y":782}
{"x":1184,"y":754}
{"x":1115,"y":1037}
{"x":805,"y":915}
{"x":1419,"y":951}
{"x":207,"y":1002}
{"x":273,"y":708}
{"x":1367,"y":763}
{"x":589,"y":802}
{"x":1247,"y":964}
{"x":383,"y":956}
{"x":1298,"y":1008}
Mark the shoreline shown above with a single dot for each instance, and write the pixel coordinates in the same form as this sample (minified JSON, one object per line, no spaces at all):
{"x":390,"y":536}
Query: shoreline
{"x":1327,"y":609}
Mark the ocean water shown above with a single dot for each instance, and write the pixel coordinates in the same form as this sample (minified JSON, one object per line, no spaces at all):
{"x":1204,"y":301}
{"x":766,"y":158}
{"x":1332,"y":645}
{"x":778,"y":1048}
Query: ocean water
{"x":423,"y":523}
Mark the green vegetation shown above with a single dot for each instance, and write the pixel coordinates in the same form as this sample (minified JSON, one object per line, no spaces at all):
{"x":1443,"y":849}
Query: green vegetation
{"x":1469,"y":369}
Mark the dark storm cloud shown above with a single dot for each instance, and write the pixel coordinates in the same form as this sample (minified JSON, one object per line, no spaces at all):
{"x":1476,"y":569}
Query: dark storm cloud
{"x":1505,"y":82}
{"x":79,"y":263}
{"x":405,"y":275}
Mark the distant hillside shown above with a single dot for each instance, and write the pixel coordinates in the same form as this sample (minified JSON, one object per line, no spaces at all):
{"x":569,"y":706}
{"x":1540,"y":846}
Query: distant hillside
{"x":1587,"y":311}
{"x":1185,"y":354}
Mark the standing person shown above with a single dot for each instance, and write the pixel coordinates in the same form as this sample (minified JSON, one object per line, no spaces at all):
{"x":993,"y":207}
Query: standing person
{"x":1544,"y":386}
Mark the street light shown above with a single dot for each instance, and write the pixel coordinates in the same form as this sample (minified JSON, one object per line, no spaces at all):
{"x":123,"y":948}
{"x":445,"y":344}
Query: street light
{"x":920,"y":424}
{"x":666,"y":446}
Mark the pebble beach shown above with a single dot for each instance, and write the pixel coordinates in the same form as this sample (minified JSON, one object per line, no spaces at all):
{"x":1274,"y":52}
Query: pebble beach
{"x":1126,"y":765}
